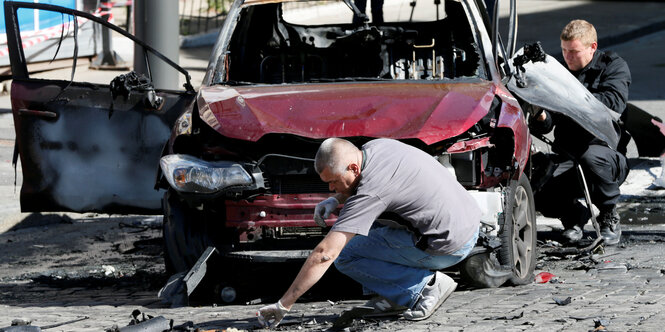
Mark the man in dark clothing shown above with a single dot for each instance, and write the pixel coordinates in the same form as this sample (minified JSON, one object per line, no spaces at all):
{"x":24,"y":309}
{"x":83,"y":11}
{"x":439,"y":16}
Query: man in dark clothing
{"x":607,"y":77}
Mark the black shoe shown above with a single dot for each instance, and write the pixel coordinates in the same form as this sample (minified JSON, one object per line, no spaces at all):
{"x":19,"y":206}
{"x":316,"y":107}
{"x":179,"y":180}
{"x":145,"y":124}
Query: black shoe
{"x":610,"y":227}
{"x":573,"y":234}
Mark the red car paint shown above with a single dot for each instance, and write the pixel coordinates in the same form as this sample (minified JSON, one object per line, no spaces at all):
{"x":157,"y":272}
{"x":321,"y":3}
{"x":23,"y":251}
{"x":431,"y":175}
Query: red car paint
{"x":291,"y":210}
{"x":430,"y":112}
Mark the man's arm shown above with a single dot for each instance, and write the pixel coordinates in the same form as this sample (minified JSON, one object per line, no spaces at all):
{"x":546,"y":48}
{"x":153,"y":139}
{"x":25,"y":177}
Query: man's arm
{"x":613,"y":85}
{"x":316,"y":265}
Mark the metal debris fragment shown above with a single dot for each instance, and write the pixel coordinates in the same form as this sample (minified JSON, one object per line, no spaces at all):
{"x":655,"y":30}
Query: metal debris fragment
{"x":565,"y":301}
{"x":601,"y":324}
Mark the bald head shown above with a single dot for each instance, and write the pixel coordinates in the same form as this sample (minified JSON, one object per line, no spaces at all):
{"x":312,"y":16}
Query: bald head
{"x":335,"y":154}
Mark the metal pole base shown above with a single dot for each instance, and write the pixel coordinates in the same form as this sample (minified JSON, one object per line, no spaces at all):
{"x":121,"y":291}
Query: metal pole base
{"x":109,"y":61}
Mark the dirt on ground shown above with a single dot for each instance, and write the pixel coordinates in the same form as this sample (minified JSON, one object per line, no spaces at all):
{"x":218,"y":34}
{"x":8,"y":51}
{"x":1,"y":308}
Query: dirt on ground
{"x":79,"y":260}
{"x":90,"y":251}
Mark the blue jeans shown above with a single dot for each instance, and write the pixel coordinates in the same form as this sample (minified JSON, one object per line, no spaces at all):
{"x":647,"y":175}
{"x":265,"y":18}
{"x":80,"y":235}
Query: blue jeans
{"x":387,"y":262}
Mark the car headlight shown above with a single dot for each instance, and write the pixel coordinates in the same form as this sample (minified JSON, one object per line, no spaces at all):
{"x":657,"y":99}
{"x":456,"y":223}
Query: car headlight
{"x":188,"y":174}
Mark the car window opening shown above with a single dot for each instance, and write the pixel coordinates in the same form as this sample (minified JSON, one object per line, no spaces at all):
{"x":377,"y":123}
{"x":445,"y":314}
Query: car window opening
{"x":294,"y":46}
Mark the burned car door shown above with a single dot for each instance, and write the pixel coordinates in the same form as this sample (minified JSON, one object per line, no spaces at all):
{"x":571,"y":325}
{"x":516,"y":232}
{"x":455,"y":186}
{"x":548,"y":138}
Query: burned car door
{"x":542,"y":81}
{"x":84,"y":146}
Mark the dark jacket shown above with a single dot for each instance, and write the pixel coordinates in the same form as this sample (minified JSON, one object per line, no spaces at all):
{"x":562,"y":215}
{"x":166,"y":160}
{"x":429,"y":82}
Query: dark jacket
{"x":607,"y":77}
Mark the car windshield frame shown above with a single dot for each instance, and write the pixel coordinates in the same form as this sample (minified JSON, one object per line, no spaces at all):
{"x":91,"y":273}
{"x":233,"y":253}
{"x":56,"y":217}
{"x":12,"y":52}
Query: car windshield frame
{"x":218,"y":69}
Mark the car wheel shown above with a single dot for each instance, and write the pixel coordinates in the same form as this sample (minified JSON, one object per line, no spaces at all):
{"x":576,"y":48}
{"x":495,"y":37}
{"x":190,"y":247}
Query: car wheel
{"x":518,"y":232}
{"x":187,"y":233}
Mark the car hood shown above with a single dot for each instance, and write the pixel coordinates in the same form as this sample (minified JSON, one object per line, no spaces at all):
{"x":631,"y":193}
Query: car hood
{"x":552,"y":87}
{"x":427,"y":111}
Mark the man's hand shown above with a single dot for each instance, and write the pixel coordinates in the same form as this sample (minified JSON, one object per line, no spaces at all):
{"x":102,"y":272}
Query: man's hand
{"x":271,"y":315}
{"x":324,"y":209}
{"x":541,"y":115}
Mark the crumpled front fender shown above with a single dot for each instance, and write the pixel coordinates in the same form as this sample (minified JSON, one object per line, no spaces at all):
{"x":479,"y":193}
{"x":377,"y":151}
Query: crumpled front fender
{"x":551,"y":86}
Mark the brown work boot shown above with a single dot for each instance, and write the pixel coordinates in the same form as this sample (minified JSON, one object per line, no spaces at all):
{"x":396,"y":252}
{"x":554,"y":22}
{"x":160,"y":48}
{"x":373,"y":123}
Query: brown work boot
{"x":610,"y":228}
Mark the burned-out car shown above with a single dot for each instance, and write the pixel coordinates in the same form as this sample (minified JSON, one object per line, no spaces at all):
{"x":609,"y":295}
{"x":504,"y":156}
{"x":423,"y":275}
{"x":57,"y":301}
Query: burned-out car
{"x":236,"y":172}
{"x":285,"y":75}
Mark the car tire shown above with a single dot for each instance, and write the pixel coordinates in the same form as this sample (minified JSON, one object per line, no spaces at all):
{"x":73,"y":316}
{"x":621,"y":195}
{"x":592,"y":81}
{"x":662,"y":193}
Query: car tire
{"x":518,"y":232}
{"x":187,"y":233}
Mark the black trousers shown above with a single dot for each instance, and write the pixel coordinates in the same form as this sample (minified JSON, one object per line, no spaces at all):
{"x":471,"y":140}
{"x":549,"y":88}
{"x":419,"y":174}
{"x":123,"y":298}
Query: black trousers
{"x":376,"y":8}
{"x":604,"y":169}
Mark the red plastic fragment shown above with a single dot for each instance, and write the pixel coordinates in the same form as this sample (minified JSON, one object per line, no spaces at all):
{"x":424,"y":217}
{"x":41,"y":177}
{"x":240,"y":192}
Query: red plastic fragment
{"x":543,"y":277}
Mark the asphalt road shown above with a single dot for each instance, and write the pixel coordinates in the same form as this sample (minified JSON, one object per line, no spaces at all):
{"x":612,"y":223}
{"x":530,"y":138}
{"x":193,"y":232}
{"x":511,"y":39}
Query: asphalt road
{"x":622,"y":286}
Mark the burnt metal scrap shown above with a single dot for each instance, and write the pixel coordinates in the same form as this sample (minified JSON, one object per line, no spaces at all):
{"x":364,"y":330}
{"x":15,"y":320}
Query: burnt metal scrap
{"x":565,"y":301}
{"x":552,"y":87}
{"x":144,"y":323}
{"x":22,"y":325}
{"x":532,"y":52}
{"x":180,"y":286}
{"x":124,"y":84}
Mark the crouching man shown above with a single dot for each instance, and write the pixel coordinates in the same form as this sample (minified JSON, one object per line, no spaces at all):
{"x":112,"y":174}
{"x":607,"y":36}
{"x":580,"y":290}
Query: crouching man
{"x":439,"y":227}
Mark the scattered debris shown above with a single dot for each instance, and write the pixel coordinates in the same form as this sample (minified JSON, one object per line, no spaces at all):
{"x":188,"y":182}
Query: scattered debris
{"x":180,"y":285}
{"x":21,"y":321}
{"x":108,"y":270}
{"x":565,"y":301}
{"x":65,"y":323}
{"x":254,"y":301}
{"x":140,"y":323}
{"x":513,"y":317}
{"x":612,"y":267}
{"x":581,"y":265}
{"x":600,"y":324}
{"x":347,"y":316}
{"x":23,"y":325}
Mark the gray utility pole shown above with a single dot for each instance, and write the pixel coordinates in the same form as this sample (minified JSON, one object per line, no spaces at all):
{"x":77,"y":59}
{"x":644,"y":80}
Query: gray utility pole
{"x":107,"y":58}
{"x":156,"y":23}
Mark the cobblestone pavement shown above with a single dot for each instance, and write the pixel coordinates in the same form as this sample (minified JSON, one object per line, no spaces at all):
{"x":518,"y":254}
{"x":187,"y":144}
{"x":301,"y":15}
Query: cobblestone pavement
{"x":622,"y":287}
{"x":88,"y":273}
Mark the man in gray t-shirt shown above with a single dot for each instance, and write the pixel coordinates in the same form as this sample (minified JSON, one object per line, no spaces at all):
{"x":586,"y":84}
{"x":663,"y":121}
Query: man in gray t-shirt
{"x":437,"y":226}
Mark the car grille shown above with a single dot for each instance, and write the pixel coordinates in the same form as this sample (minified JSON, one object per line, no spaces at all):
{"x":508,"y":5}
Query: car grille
{"x":297,"y":184}
{"x":300,"y":231}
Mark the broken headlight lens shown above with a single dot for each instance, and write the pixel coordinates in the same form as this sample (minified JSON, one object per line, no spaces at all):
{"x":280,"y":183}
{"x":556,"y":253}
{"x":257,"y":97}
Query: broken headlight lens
{"x":188,"y":174}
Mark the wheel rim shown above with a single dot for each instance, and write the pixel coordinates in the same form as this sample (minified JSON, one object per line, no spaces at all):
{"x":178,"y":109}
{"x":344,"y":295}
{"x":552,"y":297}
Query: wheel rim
{"x":522,"y":238}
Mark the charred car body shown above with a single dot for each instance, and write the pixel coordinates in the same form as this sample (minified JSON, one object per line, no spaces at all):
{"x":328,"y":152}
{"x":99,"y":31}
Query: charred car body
{"x":238,"y":167}
{"x":237,"y":172}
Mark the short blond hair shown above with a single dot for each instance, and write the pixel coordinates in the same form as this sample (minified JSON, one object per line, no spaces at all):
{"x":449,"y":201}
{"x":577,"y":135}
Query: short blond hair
{"x":580,"y":30}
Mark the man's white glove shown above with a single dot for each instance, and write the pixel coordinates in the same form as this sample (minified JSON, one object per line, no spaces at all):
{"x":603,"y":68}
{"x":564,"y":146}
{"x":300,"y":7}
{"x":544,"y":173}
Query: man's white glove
{"x":271,"y":315}
{"x":324,"y":209}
